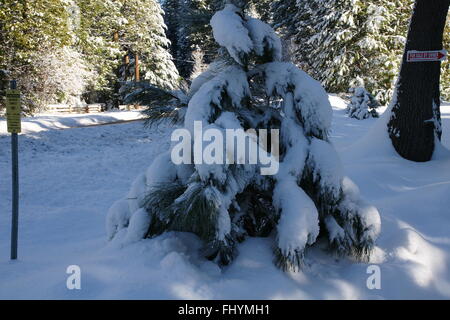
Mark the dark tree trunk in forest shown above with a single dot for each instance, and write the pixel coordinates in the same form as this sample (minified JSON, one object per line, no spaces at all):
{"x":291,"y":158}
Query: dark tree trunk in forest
{"x":415,"y":119}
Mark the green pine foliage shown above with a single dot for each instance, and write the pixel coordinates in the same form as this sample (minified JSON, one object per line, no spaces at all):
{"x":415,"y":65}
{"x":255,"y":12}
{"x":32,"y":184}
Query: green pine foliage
{"x":189,"y":30}
{"x":143,"y":34}
{"x":284,"y":15}
{"x":67,"y":51}
{"x":346,"y":39}
{"x":339,"y":41}
{"x":28,"y":31}
{"x":97,"y":22}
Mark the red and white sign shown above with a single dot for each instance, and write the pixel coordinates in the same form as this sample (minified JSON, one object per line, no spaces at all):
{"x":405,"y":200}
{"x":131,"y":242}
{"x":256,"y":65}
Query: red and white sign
{"x":421,"y":56}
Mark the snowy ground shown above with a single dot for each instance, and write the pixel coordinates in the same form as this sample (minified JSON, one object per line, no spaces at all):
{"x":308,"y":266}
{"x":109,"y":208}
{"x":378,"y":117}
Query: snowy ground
{"x":49,"y":121}
{"x":69,"y":178}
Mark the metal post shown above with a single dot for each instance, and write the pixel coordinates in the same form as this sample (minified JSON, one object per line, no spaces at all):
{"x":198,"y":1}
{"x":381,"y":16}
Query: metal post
{"x":15,"y":188}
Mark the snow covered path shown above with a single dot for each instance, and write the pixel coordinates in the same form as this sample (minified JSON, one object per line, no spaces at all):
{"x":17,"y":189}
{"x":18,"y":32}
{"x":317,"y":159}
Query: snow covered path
{"x":69,"y":178}
{"x":50,"y":121}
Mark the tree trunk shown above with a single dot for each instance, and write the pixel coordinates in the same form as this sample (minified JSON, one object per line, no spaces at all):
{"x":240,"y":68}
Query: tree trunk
{"x":415,"y":119}
{"x":126,"y":66}
{"x":137,"y":77}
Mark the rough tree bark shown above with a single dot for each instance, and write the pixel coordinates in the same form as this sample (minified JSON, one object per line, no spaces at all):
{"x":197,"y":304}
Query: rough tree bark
{"x":415,"y":119}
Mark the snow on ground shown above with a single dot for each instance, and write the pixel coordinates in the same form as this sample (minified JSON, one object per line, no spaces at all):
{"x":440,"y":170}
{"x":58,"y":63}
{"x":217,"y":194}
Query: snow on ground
{"x":69,"y":178}
{"x":48,"y":121}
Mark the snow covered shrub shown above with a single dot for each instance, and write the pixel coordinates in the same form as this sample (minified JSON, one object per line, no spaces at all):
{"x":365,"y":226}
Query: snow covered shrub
{"x":69,"y":77}
{"x":53,"y":76}
{"x":248,"y":87}
{"x":4,"y":84}
{"x":362,"y":104}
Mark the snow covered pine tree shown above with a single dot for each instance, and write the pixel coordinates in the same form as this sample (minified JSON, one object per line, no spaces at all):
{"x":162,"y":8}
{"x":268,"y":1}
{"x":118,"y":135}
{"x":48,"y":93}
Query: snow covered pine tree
{"x":248,"y":87}
{"x":362,"y":104}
